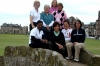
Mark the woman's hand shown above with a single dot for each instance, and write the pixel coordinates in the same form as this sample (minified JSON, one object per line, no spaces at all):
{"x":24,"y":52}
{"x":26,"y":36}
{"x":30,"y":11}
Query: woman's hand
{"x":75,"y":43}
{"x":47,"y":27}
{"x":43,"y":40}
{"x":60,"y":46}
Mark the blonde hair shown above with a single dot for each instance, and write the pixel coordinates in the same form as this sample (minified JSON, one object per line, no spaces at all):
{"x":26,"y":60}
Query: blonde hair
{"x":36,"y":1}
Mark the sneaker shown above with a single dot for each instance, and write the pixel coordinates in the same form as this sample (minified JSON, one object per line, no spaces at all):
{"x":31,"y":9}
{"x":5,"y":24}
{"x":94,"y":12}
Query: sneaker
{"x":69,"y":58}
{"x":76,"y":60}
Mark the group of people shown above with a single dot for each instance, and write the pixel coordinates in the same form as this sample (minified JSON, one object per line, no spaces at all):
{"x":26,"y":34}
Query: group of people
{"x":51,"y":30}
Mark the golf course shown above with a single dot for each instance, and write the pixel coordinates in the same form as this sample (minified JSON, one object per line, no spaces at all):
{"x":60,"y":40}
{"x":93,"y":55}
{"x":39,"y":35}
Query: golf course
{"x":92,"y":45}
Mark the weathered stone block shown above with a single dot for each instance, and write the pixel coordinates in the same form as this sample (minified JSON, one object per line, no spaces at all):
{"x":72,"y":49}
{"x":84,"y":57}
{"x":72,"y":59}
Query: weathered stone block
{"x":11,"y":51}
{"x":90,"y":59}
{"x":1,"y":61}
{"x":26,"y":56}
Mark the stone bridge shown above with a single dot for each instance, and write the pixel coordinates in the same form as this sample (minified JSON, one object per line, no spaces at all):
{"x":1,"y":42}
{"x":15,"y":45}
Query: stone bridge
{"x":26,"y":56}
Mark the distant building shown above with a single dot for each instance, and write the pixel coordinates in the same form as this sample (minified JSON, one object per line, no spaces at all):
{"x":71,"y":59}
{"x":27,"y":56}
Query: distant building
{"x":91,"y":28}
{"x":98,"y":25}
{"x":72,"y":21}
{"x":14,"y":29}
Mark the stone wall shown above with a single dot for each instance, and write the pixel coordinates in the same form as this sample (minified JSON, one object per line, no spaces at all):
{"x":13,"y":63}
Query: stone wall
{"x":90,"y":59}
{"x":25,"y":56}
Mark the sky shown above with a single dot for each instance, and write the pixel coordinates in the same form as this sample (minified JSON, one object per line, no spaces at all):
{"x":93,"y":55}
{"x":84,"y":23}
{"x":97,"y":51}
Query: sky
{"x":17,"y":11}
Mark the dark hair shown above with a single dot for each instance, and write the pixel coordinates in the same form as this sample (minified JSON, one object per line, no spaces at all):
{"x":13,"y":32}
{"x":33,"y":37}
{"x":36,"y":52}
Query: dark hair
{"x":67,"y":22}
{"x":79,"y":21}
{"x":39,"y":21}
{"x":60,"y":4}
{"x":56,"y":24}
{"x":52,"y":2}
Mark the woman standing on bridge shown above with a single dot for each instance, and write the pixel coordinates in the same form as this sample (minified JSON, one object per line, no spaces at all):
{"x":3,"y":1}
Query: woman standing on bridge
{"x":53,"y":6}
{"x":60,"y":15}
{"x":34,"y":15}
{"x":47,"y":19}
{"x":77,"y":39}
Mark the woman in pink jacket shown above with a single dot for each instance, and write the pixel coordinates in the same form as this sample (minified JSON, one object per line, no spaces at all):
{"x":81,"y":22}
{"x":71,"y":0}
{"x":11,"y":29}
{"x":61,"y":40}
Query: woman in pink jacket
{"x":53,"y":6}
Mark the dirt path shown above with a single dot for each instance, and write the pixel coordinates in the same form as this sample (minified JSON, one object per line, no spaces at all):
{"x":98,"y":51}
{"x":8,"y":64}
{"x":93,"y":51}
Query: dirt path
{"x":72,"y":63}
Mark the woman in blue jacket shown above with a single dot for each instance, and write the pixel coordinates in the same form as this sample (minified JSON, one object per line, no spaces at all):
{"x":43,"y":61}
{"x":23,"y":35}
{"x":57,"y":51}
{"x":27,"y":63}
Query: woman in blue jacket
{"x":77,"y":39}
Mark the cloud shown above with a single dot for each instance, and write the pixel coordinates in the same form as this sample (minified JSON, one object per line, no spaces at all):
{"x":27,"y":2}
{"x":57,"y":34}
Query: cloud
{"x":17,"y":11}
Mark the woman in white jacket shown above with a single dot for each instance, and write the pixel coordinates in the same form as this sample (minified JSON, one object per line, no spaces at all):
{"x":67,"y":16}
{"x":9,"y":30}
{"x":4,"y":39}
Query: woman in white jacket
{"x":67,"y":34}
{"x":67,"y":31}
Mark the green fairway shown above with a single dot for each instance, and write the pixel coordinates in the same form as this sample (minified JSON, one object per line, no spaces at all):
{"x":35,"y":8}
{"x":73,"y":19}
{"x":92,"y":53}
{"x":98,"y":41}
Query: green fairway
{"x":12,"y":40}
{"x":93,"y":45}
{"x":18,"y":40}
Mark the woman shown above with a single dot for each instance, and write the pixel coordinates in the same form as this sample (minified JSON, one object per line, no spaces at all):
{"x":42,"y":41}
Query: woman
{"x":77,"y":39}
{"x":60,"y":15}
{"x":57,"y":39}
{"x":67,"y":31}
{"x":37,"y":39}
{"x":34,"y":15}
{"x":47,"y":19}
{"x":53,"y":6}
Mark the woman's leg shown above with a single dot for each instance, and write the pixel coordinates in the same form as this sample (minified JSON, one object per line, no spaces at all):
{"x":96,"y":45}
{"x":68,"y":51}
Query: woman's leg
{"x":69,"y":49}
{"x":39,"y":45}
{"x":78,"y":47}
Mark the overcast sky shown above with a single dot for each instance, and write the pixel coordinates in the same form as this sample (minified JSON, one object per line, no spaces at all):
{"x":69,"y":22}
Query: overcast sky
{"x":17,"y":11}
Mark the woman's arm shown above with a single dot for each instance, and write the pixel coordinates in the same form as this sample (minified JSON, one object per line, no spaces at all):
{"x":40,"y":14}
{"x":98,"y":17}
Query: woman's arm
{"x":52,"y":38}
{"x":72,"y":37}
{"x":52,"y":21}
{"x":83,"y":37}
{"x":41,"y":18}
{"x":31,"y":18}
{"x":63,"y":39}
{"x":65,"y":15}
{"x":34,"y":39}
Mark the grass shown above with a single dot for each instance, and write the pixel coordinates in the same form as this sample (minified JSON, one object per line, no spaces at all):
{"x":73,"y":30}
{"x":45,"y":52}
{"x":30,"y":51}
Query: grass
{"x":12,"y":40}
{"x":92,"y":45}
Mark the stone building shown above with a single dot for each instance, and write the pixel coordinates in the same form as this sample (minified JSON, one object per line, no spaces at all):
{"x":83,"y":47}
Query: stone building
{"x":72,"y":21}
{"x":92,"y":29}
{"x":98,"y":25}
{"x":14,"y":29}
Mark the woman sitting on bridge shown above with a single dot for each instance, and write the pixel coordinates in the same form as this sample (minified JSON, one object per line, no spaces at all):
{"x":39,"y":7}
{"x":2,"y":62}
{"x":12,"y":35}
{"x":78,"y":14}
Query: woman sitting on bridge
{"x":77,"y":39}
{"x":37,"y":39}
{"x":67,"y":33}
{"x":57,"y":39}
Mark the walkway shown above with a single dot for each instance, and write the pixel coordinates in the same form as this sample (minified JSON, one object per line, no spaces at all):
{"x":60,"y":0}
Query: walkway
{"x":72,"y":63}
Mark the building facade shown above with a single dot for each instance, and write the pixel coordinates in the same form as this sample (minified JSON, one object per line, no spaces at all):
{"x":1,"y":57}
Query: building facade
{"x":72,"y":22}
{"x":14,"y":29}
{"x":98,"y":25}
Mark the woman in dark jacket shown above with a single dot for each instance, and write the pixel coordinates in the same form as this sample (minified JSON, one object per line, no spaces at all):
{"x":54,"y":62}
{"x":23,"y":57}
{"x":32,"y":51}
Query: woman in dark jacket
{"x":57,"y":39}
{"x":77,"y":39}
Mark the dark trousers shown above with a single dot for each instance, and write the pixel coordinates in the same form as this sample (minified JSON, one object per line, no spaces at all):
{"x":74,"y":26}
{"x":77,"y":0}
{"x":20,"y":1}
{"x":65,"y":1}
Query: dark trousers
{"x":31,"y":25}
{"x":61,"y":51}
{"x":46,"y":34}
{"x":40,"y":45}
